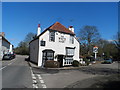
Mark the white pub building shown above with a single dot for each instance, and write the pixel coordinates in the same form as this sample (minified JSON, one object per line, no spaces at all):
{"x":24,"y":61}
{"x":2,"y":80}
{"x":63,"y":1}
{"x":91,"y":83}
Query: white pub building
{"x":56,"y":43}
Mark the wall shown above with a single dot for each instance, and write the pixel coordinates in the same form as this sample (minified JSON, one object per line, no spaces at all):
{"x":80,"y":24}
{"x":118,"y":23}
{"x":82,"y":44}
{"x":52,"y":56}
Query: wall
{"x":34,"y":49}
{"x":58,"y":47}
{"x":4,"y":47}
{"x":0,"y":47}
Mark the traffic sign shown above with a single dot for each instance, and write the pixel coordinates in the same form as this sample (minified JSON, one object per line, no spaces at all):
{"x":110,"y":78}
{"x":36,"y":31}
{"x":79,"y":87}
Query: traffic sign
{"x":95,"y":49}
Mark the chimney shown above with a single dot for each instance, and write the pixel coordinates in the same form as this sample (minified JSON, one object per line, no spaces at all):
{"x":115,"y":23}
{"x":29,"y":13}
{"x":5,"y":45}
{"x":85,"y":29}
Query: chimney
{"x":11,"y":49}
{"x":39,"y":30}
{"x":71,"y":28}
{"x":2,"y":34}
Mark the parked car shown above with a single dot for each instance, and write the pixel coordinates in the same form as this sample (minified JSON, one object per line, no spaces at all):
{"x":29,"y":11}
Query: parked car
{"x":7,"y":57}
{"x":13,"y":55}
{"x":107,"y":61}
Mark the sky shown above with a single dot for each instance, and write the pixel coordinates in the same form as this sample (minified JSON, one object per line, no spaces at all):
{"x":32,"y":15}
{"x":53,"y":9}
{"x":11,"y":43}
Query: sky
{"x":20,"y":18}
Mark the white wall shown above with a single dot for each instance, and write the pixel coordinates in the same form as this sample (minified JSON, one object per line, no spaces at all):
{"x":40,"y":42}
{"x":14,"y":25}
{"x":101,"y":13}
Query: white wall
{"x":58,"y":47}
{"x":4,"y":46}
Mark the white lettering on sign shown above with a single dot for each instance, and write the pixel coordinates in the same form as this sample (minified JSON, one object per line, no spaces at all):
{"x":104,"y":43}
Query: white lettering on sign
{"x":62,"y":39}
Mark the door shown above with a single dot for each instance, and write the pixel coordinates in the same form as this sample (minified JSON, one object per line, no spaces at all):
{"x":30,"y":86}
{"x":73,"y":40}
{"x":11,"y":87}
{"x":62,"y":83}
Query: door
{"x":60,"y":60}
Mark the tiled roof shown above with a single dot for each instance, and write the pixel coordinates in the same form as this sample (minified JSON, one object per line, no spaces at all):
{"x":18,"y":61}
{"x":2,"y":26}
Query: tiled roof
{"x":59,"y":27}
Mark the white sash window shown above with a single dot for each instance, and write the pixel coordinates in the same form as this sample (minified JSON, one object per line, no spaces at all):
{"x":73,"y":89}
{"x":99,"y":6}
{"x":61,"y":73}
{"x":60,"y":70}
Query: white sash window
{"x":70,"y":51}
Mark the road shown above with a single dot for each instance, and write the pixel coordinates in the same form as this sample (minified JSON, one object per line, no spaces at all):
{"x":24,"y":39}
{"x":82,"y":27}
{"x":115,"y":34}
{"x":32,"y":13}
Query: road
{"x":72,"y":78}
{"x":16,"y":73}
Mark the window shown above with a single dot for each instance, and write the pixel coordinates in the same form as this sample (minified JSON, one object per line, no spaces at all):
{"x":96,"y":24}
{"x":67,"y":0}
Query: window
{"x":52,"y":36}
{"x":71,"y":39}
{"x":42,"y":43}
{"x":48,"y":55}
{"x":70,"y":51}
{"x":68,"y":60}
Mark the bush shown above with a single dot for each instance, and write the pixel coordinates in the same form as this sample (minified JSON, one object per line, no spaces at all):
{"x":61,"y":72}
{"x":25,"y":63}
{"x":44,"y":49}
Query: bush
{"x":52,"y":64}
{"x":86,"y":61}
{"x":75,"y":63}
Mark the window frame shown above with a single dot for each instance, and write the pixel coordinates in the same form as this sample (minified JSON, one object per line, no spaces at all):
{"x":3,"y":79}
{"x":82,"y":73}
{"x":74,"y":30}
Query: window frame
{"x":52,"y":36}
{"x":71,"y":39}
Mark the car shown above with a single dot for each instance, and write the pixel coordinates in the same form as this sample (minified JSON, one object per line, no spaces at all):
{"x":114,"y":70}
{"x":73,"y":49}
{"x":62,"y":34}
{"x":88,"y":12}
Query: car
{"x":107,"y":61}
{"x":13,"y":55}
{"x":7,"y":57}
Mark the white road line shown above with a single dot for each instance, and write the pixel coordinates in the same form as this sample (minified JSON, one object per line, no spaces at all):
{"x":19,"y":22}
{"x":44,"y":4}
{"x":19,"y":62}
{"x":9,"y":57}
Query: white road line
{"x":7,"y":65}
{"x":34,"y":79}
{"x":35,"y":86}
{"x":44,"y":86}
{"x":38,"y":75}
{"x":34,"y":82}
{"x":10,"y":63}
{"x":3,"y":67}
{"x":41,"y":81}
{"x":40,"y":78}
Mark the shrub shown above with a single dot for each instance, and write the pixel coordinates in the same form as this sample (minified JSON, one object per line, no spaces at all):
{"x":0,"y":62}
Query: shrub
{"x":52,"y":64}
{"x":86,"y":61}
{"x":75,"y":63}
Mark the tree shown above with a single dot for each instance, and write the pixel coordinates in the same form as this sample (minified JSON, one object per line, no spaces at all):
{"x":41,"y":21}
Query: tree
{"x":29,"y":37}
{"x":107,"y":49}
{"x":89,"y":35}
{"x":23,"y":46}
{"x":117,"y":44}
{"x":117,"y":40}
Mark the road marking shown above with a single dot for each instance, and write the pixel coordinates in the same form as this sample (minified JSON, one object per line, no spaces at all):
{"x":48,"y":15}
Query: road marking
{"x":35,"y":86}
{"x":44,"y":86}
{"x":7,"y":65}
{"x":3,"y":67}
{"x":40,"y":77}
{"x":41,"y":81}
{"x":34,"y":79}
{"x":35,"y":83}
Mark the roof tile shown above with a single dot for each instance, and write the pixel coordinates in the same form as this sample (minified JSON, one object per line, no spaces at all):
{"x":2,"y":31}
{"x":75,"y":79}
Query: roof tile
{"x":59,"y":27}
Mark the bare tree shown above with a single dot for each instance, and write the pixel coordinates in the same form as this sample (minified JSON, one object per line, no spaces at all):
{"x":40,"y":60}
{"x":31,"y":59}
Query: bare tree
{"x":117,"y":40}
{"x":89,"y":35}
{"x":28,"y":38}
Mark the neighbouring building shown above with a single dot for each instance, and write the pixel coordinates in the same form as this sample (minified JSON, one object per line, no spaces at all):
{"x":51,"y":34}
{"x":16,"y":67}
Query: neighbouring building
{"x":5,"y":45}
{"x":56,"y":43}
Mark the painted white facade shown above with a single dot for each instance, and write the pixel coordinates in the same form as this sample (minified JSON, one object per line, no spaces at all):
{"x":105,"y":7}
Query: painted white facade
{"x":4,"y":47}
{"x":57,"y":46}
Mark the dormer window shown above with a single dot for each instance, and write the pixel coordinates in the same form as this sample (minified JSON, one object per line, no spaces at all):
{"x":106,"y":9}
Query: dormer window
{"x":52,"y":36}
{"x":71,"y":39}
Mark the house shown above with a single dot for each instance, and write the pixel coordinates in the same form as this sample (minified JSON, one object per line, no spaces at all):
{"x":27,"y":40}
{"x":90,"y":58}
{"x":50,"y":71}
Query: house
{"x":5,"y":45}
{"x":56,"y":43}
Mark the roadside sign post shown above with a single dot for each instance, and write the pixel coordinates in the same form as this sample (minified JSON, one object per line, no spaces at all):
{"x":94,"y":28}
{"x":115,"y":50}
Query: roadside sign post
{"x":95,"y":50}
